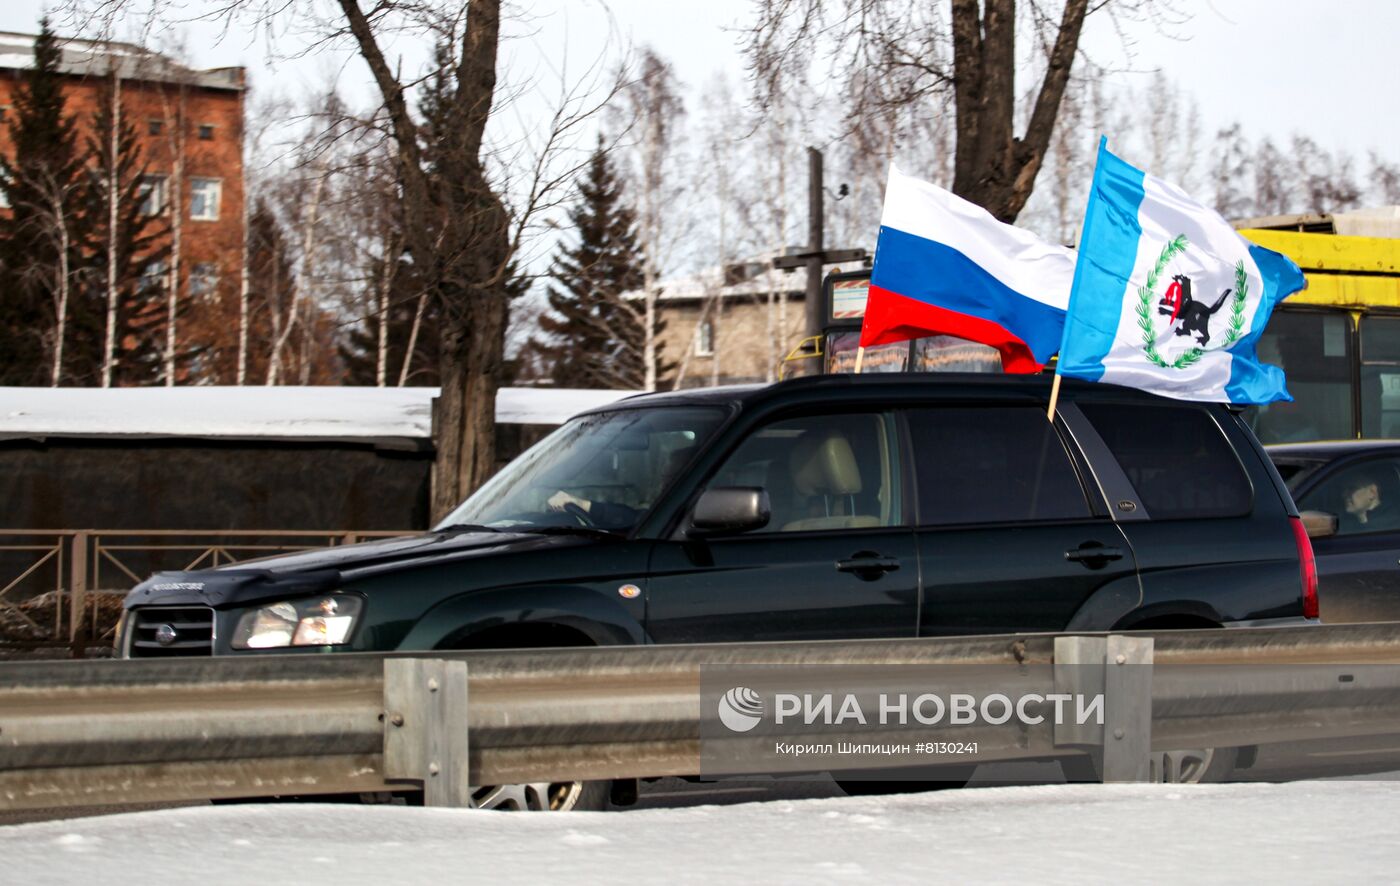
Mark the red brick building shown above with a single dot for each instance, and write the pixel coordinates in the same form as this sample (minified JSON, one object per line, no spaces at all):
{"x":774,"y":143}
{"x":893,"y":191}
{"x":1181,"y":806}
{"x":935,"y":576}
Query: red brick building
{"x":190,"y":125}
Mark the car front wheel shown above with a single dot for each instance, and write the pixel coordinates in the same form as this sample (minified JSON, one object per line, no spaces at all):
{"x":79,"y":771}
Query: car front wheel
{"x":559,"y":796}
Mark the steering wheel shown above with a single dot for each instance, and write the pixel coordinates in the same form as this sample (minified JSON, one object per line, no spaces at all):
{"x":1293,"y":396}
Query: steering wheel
{"x":578,"y":513}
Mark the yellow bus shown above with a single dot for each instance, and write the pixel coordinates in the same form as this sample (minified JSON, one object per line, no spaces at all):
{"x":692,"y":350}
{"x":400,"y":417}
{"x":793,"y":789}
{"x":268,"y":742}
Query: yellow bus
{"x":1338,"y":341}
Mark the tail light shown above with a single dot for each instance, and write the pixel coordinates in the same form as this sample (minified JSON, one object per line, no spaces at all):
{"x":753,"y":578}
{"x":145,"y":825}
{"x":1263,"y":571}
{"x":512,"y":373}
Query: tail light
{"x":1308,"y":564}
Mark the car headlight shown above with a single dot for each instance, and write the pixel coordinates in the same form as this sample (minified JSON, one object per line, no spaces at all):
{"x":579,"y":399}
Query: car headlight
{"x":315,"y":621}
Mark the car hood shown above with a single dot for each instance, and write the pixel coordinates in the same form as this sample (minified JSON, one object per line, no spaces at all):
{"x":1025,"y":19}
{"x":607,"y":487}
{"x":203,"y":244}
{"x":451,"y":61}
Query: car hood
{"x":325,"y":569}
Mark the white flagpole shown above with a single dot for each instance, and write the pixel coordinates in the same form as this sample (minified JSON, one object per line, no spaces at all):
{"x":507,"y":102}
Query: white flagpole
{"x":860,"y":359}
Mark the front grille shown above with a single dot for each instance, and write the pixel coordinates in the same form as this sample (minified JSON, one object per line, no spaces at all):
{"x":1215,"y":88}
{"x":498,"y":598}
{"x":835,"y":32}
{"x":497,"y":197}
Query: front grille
{"x":190,"y":632}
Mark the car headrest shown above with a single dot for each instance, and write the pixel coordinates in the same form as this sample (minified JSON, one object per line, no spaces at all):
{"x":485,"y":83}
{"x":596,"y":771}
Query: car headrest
{"x":822,"y":463}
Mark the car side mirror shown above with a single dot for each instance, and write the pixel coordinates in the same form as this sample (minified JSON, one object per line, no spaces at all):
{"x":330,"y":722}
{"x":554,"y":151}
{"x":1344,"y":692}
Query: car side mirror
{"x":730,"y":509}
{"x":1319,"y":524}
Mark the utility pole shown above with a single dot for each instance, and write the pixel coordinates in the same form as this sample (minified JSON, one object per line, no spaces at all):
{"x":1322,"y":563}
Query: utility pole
{"x":815,"y":254}
{"x":816,"y":218}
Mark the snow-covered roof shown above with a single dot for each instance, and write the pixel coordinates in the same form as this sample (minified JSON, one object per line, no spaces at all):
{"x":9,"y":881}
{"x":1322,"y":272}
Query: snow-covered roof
{"x":382,"y":415}
{"x":95,"y":58}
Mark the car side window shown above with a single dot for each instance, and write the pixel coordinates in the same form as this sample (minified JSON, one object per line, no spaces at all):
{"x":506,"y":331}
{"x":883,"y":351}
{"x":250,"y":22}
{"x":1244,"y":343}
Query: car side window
{"x":1176,"y":457}
{"x":992,"y":465}
{"x":1364,"y":497}
{"x":821,"y":472}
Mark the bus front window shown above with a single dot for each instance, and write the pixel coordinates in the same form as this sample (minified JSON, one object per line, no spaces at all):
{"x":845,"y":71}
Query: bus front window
{"x":1314,"y":350}
{"x":1380,"y":376}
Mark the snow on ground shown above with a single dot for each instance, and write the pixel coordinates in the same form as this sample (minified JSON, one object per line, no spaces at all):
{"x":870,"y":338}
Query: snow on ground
{"x":1300,"y":832}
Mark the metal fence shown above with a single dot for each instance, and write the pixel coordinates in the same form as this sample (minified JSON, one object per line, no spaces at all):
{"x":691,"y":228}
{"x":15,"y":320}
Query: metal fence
{"x":70,"y":566}
{"x":92,"y":733}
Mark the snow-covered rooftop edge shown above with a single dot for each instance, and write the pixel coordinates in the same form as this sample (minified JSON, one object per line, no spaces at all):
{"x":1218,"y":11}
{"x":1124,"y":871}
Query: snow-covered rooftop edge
{"x":265,"y":413}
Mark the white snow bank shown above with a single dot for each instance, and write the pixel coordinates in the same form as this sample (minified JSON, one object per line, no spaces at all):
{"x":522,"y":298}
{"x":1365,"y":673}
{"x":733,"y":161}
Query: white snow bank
{"x":317,"y":413}
{"x":1299,"y":832}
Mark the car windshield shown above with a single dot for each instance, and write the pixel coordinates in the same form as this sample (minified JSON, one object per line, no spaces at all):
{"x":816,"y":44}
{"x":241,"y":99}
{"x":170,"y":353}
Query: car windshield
{"x":1295,"y":471}
{"x":596,"y":472}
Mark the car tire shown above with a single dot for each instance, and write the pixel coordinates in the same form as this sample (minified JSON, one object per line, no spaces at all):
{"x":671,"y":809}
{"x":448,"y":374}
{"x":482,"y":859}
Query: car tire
{"x":1203,"y":766}
{"x":565,"y":796}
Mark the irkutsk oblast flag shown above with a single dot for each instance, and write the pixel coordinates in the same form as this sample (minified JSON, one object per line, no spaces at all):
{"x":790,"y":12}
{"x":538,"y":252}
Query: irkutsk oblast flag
{"x":1167,"y":297}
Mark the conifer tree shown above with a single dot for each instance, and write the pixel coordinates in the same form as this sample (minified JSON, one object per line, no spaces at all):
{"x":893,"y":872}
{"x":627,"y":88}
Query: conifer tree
{"x":406,"y":309}
{"x":594,"y":336}
{"x":42,"y":241}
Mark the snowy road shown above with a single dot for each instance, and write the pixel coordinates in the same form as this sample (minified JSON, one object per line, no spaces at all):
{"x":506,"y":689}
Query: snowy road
{"x":1299,"y":832}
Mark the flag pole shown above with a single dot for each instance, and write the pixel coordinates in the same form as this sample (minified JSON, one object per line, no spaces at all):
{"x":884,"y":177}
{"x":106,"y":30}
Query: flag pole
{"x":1054,"y":396}
{"x":860,"y":358}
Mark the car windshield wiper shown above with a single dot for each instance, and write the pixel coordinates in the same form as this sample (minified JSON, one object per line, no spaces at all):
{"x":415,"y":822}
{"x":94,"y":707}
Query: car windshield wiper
{"x":593,"y":531}
{"x":471,"y":527}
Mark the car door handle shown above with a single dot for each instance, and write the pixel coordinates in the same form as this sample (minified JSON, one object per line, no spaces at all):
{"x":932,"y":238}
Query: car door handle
{"x":867,"y":566}
{"x":1093,"y":554}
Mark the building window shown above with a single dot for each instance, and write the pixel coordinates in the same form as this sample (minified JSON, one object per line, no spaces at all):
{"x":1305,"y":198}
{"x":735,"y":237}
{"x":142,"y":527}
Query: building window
{"x":705,"y":339}
{"x":206,"y":132}
{"x":155,"y":126}
{"x":204,"y":280}
{"x":153,"y":277}
{"x":152,"y":194}
{"x":204,"y":198}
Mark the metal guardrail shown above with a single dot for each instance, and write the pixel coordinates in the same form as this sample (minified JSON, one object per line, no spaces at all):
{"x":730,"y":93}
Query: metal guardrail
{"x":72,"y":563}
{"x":94,"y":733}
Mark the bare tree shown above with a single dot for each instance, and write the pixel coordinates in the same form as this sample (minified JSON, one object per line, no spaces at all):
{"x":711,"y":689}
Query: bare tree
{"x":653,"y":109}
{"x":173,"y":89}
{"x":894,"y":52}
{"x":1228,"y":171}
{"x":267,"y":111}
{"x":1271,"y":186}
{"x":1385,"y":180}
{"x":1325,"y":179}
{"x":112,"y":187}
{"x":284,"y":322}
{"x":53,"y":212}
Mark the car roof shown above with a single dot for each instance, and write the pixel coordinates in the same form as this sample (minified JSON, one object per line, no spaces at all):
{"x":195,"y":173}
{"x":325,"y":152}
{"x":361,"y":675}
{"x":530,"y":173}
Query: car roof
{"x":953,"y":384}
{"x":1328,"y":450}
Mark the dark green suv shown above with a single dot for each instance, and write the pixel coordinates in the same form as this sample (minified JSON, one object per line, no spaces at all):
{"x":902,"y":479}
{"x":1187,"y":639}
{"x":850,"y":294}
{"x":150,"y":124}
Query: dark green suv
{"x":833,"y":507}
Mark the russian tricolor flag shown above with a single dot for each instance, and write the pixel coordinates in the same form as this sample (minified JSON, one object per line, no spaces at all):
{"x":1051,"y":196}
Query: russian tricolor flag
{"x":944,"y":266}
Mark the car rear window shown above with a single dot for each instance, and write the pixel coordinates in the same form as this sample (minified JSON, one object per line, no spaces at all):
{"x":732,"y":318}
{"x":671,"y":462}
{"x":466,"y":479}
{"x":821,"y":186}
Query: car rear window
{"x":1177,"y":459}
{"x":992,"y":465}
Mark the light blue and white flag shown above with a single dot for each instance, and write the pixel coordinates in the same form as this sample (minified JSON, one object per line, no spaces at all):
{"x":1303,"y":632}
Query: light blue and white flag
{"x":1167,"y":297}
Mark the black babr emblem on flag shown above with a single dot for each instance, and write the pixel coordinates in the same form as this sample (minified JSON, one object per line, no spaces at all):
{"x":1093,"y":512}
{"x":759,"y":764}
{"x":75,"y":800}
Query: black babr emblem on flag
{"x":1190,"y":317}
{"x":1193,"y":316}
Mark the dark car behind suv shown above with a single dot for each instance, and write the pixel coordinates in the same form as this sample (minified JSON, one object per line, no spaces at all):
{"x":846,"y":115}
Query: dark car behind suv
{"x":1349,"y":494}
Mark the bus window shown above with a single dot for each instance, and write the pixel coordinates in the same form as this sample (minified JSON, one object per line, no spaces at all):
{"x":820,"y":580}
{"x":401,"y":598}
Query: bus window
{"x":1380,"y":377}
{"x":1314,"y":350}
{"x":943,"y":353}
{"x":841,"y":355}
